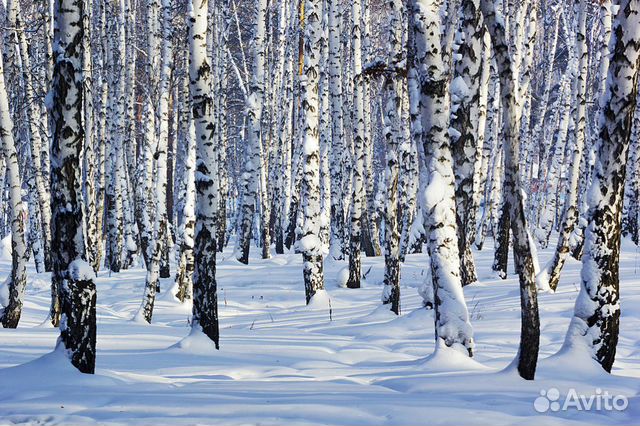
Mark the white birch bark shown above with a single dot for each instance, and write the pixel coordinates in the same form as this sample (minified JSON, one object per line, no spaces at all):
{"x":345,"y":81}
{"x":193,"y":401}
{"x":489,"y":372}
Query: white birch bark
{"x":358,"y":199}
{"x":15,"y":21}
{"x":253,"y":151}
{"x":594,"y":327}
{"x":161,"y":221}
{"x":452,"y":325}
{"x":205,"y":299}
{"x":310,"y":243}
{"x":514,"y":204}
{"x":72,"y":275}
{"x":571,"y":204}
{"x":337,"y":249}
{"x":17,"y":280}
{"x":394,"y":137}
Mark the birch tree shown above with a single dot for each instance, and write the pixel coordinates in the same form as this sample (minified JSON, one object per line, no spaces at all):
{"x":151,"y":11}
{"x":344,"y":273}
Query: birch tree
{"x":253,"y":151}
{"x":72,"y":276}
{"x":184,"y":274}
{"x":358,"y":198}
{"x":115,"y":125}
{"x":530,"y":323}
{"x":394,"y":136}
{"x":595,"y":323}
{"x":161,"y":222}
{"x":571,"y":204}
{"x":465,"y":122}
{"x":15,"y":20}
{"x":337,"y":130}
{"x":452,"y":327}
{"x":205,"y":299}
{"x":17,"y":280}
{"x":310,"y":243}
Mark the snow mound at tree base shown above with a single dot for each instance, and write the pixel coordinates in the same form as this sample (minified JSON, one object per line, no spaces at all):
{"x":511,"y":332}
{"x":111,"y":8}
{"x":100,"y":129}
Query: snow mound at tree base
{"x":572,"y":360}
{"x":196,"y":343}
{"x":319,"y":301}
{"x":50,"y":371}
{"x":451,"y":359}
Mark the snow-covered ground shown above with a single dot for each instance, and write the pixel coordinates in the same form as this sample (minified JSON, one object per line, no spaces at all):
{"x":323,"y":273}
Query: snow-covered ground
{"x":282,"y":363}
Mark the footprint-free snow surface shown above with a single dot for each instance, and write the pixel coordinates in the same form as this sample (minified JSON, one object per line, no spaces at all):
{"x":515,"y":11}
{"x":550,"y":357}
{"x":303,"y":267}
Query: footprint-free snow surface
{"x":344,"y":360}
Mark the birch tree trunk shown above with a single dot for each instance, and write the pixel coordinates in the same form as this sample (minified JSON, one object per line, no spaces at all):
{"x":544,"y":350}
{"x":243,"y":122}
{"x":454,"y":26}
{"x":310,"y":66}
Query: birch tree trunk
{"x":595,"y":324}
{"x":465,"y":121}
{"x":452,"y":327}
{"x":221,"y":95}
{"x":115,"y":111}
{"x":285,"y":129}
{"x":571,"y":205}
{"x":161,"y":222}
{"x":164,"y":151}
{"x":631,"y":218}
{"x":394,"y":137}
{"x":358,"y":198}
{"x":310,"y":244}
{"x":530,"y":323}
{"x":253,"y":152}
{"x":91,"y":163}
{"x":96,"y":252}
{"x":14,"y":19}
{"x":337,"y":130}
{"x":205,"y":299}
{"x":72,"y":275}
{"x":10,"y":314}
{"x":184,"y":274}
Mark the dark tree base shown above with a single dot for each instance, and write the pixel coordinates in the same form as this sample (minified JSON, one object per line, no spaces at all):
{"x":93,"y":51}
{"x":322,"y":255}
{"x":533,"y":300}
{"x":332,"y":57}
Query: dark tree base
{"x":78,"y":335}
{"x":501,"y":255}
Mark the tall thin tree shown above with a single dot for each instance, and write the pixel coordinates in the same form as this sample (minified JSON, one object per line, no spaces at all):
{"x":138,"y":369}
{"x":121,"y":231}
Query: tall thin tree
{"x":72,"y":275}
{"x":205,"y":299}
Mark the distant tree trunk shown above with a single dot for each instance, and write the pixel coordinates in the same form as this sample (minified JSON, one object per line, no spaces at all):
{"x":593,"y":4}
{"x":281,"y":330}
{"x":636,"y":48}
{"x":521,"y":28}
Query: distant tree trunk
{"x":310,"y":243}
{"x":14,"y":18}
{"x":493,"y":153}
{"x":465,"y":120}
{"x":337,"y":130}
{"x":541,"y":110}
{"x":412,"y":221}
{"x":596,"y":318}
{"x":501,"y":236}
{"x":95,"y":253}
{"x":358,"y":199}
{"x":394,"y":137}
{"x":91,"y":164}
{"x":184,"y":275}
{"x":571,"y":204}
{"x":483,"y":153}
{"x":72,"y":275}
{"x":630,"y":222}
{"x":161,"y":222}
{"x":130,"y":124}
{"x":523,"y":257}
{"x":253,"y":150}
{"x":10,"y":314}
{"x":560,"y":139}
{"x":285,"y":115}
{"x":221,"y":95}
{"x":325,"y":138}
{"x":205,"y":299}
{"x":163,"y":159}
{"x":602,"y":59}
{"x":115,"y":111}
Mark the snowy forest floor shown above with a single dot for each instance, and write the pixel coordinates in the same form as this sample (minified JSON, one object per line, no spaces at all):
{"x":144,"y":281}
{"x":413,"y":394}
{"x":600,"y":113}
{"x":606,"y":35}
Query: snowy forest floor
{"x":282,"y":363}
